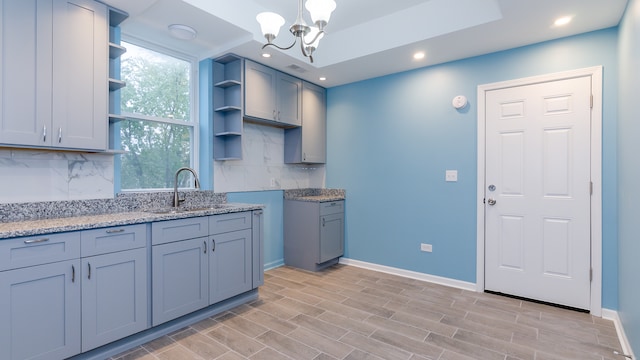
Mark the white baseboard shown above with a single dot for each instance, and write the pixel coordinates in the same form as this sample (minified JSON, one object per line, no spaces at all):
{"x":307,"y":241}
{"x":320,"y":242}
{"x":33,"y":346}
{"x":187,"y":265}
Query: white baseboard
{"x":622,"y":336}
{"x":410,"y":274}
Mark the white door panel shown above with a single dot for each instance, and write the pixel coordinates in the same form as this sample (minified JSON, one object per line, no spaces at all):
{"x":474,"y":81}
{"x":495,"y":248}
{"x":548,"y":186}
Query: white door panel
{"x":537,"y":234}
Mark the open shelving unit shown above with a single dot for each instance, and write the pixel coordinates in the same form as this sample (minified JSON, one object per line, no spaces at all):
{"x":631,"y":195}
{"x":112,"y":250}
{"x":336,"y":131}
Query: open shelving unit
{"x":116,"y":17}
{"x":227,"y":107}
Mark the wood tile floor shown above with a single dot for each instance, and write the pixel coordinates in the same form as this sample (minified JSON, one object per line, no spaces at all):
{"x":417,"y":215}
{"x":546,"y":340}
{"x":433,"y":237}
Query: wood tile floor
{"x":350,"y":313}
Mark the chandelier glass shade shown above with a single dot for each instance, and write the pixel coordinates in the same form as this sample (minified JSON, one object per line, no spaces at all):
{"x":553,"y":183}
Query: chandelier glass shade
{"x":309,"y":36}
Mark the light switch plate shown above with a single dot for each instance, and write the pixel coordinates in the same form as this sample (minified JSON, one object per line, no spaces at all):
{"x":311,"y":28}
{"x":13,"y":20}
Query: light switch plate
{"x":451,"y":175}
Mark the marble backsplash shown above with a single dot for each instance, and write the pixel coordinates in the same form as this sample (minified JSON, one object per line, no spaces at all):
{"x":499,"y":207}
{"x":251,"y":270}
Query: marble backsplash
{"x":42,"y":175}
{"x":28,"y":175}
{"x":262,"y":166}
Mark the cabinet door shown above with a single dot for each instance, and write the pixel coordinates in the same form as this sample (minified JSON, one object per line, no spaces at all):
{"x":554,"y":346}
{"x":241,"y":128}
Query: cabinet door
{"x":289,"y":99}
{"x":230,"y":270}
{"x":260,"y":91}
{"x":25,"y":72}
{"x":331,"y":237}
{"x":80,"y":74}
{"x":114,"y":297}
{"x":179,"y":278}
{"x":40,"y":311}
{"x":257,"y":248}
{"x":314,"y":124}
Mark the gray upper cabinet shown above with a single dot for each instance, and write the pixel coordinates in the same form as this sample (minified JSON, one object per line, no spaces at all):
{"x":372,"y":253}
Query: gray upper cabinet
{"x":272,"y":96}
{"x":54,"y":68}
{"x":308,"y":144}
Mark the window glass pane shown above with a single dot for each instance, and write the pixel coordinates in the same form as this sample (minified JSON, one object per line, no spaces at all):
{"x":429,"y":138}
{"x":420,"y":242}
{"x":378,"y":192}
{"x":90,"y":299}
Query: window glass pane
{"x":158,"y":85}
{"x":154,"y":152}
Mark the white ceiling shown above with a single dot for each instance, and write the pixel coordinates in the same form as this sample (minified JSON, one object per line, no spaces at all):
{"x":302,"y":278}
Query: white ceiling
{"x":366,"y":38}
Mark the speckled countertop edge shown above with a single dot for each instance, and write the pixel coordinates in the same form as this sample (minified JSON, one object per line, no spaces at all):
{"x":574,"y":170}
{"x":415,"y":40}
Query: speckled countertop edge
{"x":315,"y":195}
{"x":15,"y":229}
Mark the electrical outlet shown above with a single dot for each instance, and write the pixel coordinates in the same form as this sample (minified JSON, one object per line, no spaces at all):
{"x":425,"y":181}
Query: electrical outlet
{"x":426,"y":247}
{"x":451,"y":175}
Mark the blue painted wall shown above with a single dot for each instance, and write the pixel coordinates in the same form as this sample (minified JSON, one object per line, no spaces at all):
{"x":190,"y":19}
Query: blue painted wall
{"x":629,"y":174}
{"x":390,"y":140}
{"x":273,"y":222}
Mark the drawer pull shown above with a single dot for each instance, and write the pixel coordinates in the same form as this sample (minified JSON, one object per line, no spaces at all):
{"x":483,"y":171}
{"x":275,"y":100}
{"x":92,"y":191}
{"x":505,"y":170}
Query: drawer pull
{"x":73,"y":274}
{"x":257,"y":213}
{"x":205,"y":246}
{"x":322,"y":222}
{"x":89,"y":266}
{"x":213,"y":245}
{"x":115,"y":231}
{"x":35,"y":241}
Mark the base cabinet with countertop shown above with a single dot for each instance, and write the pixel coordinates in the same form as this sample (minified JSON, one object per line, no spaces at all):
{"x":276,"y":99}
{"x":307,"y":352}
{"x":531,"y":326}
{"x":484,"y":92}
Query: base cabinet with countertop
{"x":90,"y":294}
{"x":313,"y":233}
{"x":40,"y":297}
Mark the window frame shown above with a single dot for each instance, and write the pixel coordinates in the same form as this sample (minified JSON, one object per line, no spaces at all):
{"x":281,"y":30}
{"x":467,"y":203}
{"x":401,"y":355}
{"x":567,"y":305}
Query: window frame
{"x":193,"y":110}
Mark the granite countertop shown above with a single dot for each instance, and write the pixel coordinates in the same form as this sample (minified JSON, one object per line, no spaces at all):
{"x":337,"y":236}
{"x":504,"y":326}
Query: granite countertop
{"x":83,"y":222}
{"x":318,"y":198}
{"x":315,"y":195}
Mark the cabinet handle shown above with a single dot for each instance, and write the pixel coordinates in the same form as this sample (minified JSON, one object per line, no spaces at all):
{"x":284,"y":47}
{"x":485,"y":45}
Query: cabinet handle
{"x":322,"y":222}
{"x":205,"y":246}
{"x":278,"y":114}
{"x":35,"y":241}
{"x":73,"y":274}
{"x":44,"y":133}
{"x":59,"y":135}
{"x":115,"y":231}
{"x":274,"y":114}
{"x":89,"y":265}
{"x":213,"y":245}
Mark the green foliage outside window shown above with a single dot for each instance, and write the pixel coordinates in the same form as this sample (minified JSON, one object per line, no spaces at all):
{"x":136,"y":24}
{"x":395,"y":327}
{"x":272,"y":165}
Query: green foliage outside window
{"x":156,"y":102}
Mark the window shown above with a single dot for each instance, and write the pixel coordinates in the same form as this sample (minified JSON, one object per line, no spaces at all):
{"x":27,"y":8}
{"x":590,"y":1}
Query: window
{"x":159,"y":133}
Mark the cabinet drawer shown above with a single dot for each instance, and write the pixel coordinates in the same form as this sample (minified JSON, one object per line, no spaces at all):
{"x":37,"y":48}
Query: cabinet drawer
{"x":219,"y":224}
{"x":174,"y":230}
{"x":332,"y":207}
{"x":36,"y":250}
{"x":112,"y":239}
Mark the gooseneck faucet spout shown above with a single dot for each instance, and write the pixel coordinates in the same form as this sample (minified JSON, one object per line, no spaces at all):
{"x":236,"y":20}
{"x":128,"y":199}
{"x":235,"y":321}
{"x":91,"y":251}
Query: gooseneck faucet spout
{"x":176,"y":200}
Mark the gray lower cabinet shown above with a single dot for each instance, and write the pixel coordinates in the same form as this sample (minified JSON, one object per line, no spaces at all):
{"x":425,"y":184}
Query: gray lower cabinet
{"x":180,"y":278}
{"x":313,"y":233}
{"x":40,"y":297}
{"x":191,"y":271}
{"x":257,"y":233}
{"x":114,"y":284}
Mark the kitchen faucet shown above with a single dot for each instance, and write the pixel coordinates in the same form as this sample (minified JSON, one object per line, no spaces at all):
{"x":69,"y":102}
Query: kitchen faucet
{"x":176,"y":200}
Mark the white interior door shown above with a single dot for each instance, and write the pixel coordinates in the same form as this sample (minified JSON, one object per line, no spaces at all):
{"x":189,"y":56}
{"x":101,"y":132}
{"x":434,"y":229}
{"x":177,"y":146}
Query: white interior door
{"x":537,"y":191}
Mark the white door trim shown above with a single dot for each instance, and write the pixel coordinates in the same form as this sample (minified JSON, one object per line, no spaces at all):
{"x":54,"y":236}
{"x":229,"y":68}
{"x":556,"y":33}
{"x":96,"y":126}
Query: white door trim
{"x":596,"y":173}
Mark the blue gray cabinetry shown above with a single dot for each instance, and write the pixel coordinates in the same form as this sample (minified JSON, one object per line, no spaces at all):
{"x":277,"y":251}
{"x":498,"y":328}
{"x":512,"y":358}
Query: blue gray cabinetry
{"x":54,"y":91}
{"x":308,"y":143}
{"x":179,"y":267}
{"x":114,"y":284}
{"x":201,"y":261}
{"x":313,"y":233}
{"x":272,"y":96}
{"x":227,"y":107}
{"x":257,"y":225}
{"x":40,"y":297}
{"x":230,"y":258}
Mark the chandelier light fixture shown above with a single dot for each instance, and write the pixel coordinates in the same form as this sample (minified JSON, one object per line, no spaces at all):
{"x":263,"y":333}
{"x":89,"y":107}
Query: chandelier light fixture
{"x":309,"y":36}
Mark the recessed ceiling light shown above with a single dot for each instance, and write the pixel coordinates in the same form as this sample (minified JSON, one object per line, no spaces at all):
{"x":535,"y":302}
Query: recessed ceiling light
{"x":562,"y":21}
{"x":182,"y":32}
{"x":266,"y":55}
{"x":418,"y":55}
{"x":322,"y":78}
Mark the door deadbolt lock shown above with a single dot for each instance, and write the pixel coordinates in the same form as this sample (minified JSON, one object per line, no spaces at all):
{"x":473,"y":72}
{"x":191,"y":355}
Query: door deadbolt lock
{"x":492,"y":188}
{"x":491,"y":202}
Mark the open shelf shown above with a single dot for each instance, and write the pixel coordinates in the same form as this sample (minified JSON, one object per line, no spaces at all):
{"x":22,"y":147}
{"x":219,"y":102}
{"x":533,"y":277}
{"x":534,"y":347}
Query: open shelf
{"x":227,"y":83}
{"x":115,"y":50}
{"x":227,"y":105}
{"x":115,"y":84}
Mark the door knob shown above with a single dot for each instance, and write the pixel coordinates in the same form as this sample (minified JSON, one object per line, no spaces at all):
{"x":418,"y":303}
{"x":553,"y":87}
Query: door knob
{"x":491,"y":202}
